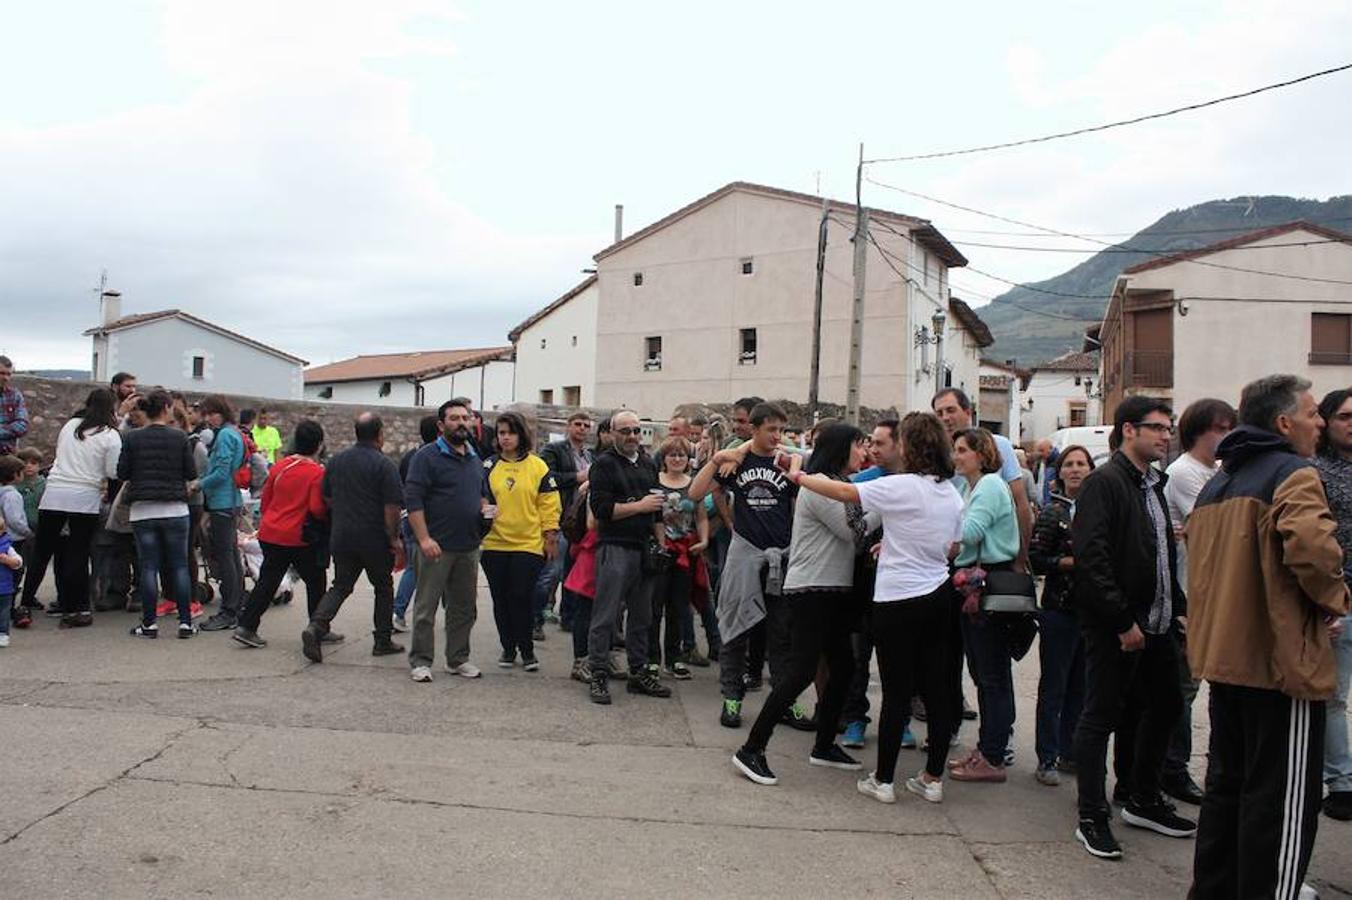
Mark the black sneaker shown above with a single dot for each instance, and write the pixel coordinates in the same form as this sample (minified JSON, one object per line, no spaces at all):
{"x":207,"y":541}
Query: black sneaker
{"x":1098,"y":839}
{"x":187,"y":629}
{"x":834,"y":758}
{"x":598,"y":689}
{"x":312,"y":644}
{"x":752,"y":764}
{"x":222,"y":621}
{"x":248,"y":638}
{"x":1158,"y":816}
{"x":752,"y":683}
{"x":146,"y":631}
{"x":797,"y":718}
{"x":1338,"y":805}
{"x":386,"y":647}
{"x":1183,"y":788}
{"x":645,"y":682}
{"x":53,"y":610}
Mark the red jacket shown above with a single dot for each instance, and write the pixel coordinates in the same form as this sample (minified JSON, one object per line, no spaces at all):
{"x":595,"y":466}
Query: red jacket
{"x":291,"y":493}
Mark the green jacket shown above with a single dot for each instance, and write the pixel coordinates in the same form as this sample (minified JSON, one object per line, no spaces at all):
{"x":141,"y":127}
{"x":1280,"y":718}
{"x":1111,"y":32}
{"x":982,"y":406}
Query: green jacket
{"x":990,"y":527}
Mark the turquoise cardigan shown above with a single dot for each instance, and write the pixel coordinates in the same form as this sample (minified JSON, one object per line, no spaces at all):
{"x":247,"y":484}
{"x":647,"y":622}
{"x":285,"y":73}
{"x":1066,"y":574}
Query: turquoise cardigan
{"x":218,"y":482}
{"x":990,"y":527}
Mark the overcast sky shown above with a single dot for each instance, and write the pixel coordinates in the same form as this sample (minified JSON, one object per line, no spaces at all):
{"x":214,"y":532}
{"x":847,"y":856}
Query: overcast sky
{"x":355,"y":177}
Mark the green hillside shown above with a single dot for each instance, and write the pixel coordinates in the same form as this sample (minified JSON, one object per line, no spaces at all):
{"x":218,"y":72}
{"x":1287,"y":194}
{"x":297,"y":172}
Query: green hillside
{"x":1031,"y":327}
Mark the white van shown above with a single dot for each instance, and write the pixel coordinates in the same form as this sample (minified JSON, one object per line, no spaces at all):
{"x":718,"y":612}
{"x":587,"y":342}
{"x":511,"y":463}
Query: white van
{"x":1093,"y":438}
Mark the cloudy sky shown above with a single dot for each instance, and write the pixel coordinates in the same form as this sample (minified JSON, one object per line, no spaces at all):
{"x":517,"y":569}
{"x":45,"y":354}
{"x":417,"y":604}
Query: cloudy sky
{"x":354,"y":177}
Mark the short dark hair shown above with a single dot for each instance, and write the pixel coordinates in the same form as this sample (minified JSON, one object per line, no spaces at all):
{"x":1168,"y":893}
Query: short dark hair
{"x":763,"y":412}
{"x":308,"y":438}
{"x":1328,"y":408}
{"x":516,"y":424}
{"x":964,"y":402}
{"x":1262,"y":401}
{"x":466,"y":402}
{"x":1200,"y":417}
{"x":748,"y":404}
{"x":429,"y":429}
{"x":699,"y":421}
{"x":458,"y":401}
{"x":121,"y":377}
{"x":11,"y":467}
{"x":155,"y":403}
{"x":580,"y":416}
{"x":247,"y":415}
{"x":368,"y":427}
{"x":218,"y":405}
{"x":603,"y":426}
{"x":1132,"y":411}
{"x":925,"y":447}
{"x":31,"y":455}
{"x":831,"y":449}
{"x":983,"y":444}
{"x":893,"y":427}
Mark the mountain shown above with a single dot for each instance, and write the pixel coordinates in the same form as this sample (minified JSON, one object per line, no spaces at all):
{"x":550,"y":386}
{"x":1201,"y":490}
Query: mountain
{"x":60,"y":374}
{"x":1032,"y":326}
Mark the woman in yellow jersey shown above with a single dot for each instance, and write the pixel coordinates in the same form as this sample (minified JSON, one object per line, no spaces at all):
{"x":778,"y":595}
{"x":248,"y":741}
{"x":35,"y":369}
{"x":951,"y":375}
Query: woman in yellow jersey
{"x":524,"y":507}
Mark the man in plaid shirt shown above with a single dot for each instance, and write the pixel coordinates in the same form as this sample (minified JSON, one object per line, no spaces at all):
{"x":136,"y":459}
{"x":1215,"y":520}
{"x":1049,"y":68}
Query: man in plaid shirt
{"x":13,"y":411}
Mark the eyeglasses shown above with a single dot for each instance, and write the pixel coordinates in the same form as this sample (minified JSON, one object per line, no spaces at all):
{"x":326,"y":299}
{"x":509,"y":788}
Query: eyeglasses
{"x":628,"y":431}
{"x":1157,"y":427}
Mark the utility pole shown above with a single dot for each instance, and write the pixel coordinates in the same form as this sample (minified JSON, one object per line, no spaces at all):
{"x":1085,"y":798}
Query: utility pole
{"x":814,"y":380}
{"x":857,"y":307}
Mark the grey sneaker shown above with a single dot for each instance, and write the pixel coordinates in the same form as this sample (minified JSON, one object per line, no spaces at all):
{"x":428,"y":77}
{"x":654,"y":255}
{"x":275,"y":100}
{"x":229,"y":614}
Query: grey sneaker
{"x":248,"y":638}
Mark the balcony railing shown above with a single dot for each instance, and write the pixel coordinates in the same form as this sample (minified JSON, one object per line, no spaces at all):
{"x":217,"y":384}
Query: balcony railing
{"x":1150,"y":368}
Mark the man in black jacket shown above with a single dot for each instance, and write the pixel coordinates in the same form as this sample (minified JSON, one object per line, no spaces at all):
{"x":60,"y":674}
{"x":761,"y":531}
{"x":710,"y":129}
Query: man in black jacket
{"x":625,"y":498}
{"x":1129,"y":599}
{"x":569,"y":461}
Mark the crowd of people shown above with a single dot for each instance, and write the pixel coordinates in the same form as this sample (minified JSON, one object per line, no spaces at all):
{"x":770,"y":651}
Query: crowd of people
{"x":925,"y":541}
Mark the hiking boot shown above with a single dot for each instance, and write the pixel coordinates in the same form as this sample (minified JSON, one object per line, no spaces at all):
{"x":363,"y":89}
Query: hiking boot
{"x":731,"y":716}
{"x":311,"y":644}
{"x":978,"y":768}
{"x":797,"y":718}
{"x":1158,"y":815}
{"x":598,"y":689}
{"x":581,"y":671}
{"x":752,"y":764}
{"x":1097,"y":837}
{"x":645,"y":682}
{"x":833,"y":758}
{"x":248,"y":638}
{"x":386,"y":647}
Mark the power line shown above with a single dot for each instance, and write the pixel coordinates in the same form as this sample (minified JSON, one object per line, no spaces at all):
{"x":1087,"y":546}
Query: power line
{"x":1118,"y":124}
{"x":1080,"y":237}
{"x":1126,"y":248}
{"x":1141,"y":233}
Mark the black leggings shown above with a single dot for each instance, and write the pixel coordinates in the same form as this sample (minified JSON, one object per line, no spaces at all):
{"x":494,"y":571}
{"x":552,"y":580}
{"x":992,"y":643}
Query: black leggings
{"x":70,"y":552}
{"x":914,"y":644}
{"x":671,"y":595}
{"x":276,"y":560}
{"x":819,"y":624}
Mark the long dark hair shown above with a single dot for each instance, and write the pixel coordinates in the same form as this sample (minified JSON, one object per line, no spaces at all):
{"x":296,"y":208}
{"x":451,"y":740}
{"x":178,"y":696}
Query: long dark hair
{"x":831,"y":449}
{"x":1328,"y":408}
{"x":1061,"y":459}
{"x":516,"y":424}
{"x":99,"y":412}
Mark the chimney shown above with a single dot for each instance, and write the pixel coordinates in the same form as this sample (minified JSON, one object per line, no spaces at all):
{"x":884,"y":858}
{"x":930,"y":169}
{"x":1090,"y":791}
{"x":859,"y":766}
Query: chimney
{"x":110,"y":306}
{"x":619,"y":222}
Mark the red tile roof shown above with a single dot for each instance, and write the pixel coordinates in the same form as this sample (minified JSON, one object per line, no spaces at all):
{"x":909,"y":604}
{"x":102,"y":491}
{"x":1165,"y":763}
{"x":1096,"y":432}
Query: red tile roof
{"x":971,"y":321}
{"x":515,"y":333}
{"x":418,"y":366}
{"x":1069,"y":362}
{"x":925,"y":233}
{"x":142,"y":318}
{"x":1238,"y":241}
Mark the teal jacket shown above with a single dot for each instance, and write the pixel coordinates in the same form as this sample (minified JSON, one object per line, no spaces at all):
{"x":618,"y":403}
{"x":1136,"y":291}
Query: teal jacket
{"x":990,"y":528}
{"x":218,"y":482}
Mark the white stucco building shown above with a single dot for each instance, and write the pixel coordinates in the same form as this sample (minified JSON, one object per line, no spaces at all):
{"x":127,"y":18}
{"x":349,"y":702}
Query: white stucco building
{"x":997,"y":401}
{"x":715,"y":301}
{"x":1058,"y":395}
{"x":422,"y":378}
{"x":1206,"y":322}
{"x":556,"y":350}
{"x":967,"y":337}
{"x":176,"y":350}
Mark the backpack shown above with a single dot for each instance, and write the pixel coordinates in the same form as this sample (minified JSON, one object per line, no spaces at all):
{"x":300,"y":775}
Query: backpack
{"x":574,"y":521}
{"x":244,"y":475}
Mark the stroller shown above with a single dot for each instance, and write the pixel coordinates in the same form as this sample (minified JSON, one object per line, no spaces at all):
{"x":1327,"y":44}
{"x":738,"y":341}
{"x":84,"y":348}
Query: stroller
{"x":252,"y":553}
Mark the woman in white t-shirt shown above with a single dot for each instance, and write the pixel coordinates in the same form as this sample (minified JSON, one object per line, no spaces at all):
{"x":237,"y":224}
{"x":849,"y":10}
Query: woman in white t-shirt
{"x":87,"y":449}
{"x":922,"y":519}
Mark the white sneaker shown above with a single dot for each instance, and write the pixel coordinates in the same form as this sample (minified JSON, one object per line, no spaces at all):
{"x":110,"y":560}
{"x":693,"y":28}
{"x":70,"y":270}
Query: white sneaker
{"x":933,"y":791}
{"x":883,"y":793}
{"x":1307,"y":892}
{"x":465,"y":670}
{"x":401,"y":624}
{"x":4,"y":640}
{"x":421,"y":674}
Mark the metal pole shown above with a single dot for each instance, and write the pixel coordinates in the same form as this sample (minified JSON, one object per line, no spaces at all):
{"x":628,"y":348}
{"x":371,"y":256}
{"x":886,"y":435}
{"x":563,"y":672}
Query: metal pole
{"x":814,"y":380}
{"x":857,"y":307}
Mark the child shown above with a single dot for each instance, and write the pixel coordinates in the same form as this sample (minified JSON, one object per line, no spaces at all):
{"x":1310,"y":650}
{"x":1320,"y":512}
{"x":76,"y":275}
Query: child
{"x":31,"y":486}
{"x":9,"y":562}
{"x":12,"y":512}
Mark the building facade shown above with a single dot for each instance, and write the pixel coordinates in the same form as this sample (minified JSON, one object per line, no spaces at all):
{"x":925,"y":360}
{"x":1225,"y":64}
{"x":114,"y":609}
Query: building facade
{"x":1206,"y":322}
{"x":1058,"y":395}
{"x":715,"y":301}
{"x":176,"y":350}
{"x":556,"y":350}
{"x":967,"y":337}
{"x":997,"y":401}
{"x":424,"y":378}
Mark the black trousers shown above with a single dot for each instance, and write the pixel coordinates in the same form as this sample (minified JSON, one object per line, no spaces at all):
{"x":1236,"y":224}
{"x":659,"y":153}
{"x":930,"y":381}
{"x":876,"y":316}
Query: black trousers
{"x":1142,"y":685}
{"x":378,"y":564}
{"x":512,"y":576}
{"x":819,"y":624}
{"x":1263,"y":788}
{"x":913,"y":640}
{"x":276,"y":560}
{"x":69,"y":552}
{"x":671,"y":597}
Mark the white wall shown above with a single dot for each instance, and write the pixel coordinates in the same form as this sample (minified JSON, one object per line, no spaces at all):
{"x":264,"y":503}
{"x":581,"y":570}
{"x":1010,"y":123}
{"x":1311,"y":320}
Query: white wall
{"x":488,"y":386}
{"x":560,"y":362}
{"x":1047,"y":401}
{"x":401,"y":392}
{"x":160,"y":353}
{"x":963,"y":356}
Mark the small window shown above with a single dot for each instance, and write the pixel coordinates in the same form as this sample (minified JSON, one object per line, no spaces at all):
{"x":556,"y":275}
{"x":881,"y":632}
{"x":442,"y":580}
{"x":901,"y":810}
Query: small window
{"x":747,"y":355}
{"x":638,"y":279}
{"x":543,"y":343}
{"x":574,"y":340}
{"x":653,"y":358}
{"x":199,"y":367}
{"x":1330,"y":339}
{"x":419,"y":395}
{"x":547,"y":398}
{"x":748,"y":266}
{"x":384,"y":389}
{"x":326,"y":393}
{"x":572,"y":396}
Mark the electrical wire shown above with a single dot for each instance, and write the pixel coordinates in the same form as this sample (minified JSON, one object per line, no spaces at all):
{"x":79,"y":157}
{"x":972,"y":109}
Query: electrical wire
{"x":1191,"y":107}
{"x":1143,"y":232}
{"x":1123,"y":248}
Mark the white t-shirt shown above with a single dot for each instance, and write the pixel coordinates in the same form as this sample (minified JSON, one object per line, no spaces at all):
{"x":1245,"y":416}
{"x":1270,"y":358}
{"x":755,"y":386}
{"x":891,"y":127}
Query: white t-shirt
{"x":1187,"y":477}
{"x":75,"y":484}
{"x":921,"y":520}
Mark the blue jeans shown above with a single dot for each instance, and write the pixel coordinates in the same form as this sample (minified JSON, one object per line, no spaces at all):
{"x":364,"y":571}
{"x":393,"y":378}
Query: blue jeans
{"x":403,"y":595}
{"x":162,"y":548}
{"x":6,"y":604}
{"x":992,"y":667}
{"x":550,"y":576}
{"x":1060,"y":687}
{"x":1337,"y":757}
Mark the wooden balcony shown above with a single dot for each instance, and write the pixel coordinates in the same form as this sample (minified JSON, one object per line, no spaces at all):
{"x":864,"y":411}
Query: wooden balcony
{"x":1150,"y":368}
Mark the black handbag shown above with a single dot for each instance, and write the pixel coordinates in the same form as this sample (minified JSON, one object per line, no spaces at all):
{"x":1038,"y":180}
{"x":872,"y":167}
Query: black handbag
{"x":1009,"y":592}
{"x":656,"y":559}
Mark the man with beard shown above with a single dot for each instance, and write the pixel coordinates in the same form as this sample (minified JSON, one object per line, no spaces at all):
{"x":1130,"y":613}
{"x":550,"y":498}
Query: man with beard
{"x":445,"y":501}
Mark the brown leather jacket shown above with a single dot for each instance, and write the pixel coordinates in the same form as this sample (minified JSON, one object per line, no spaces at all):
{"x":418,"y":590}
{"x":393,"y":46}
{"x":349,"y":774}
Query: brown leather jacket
{"x":1265,"y":571}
